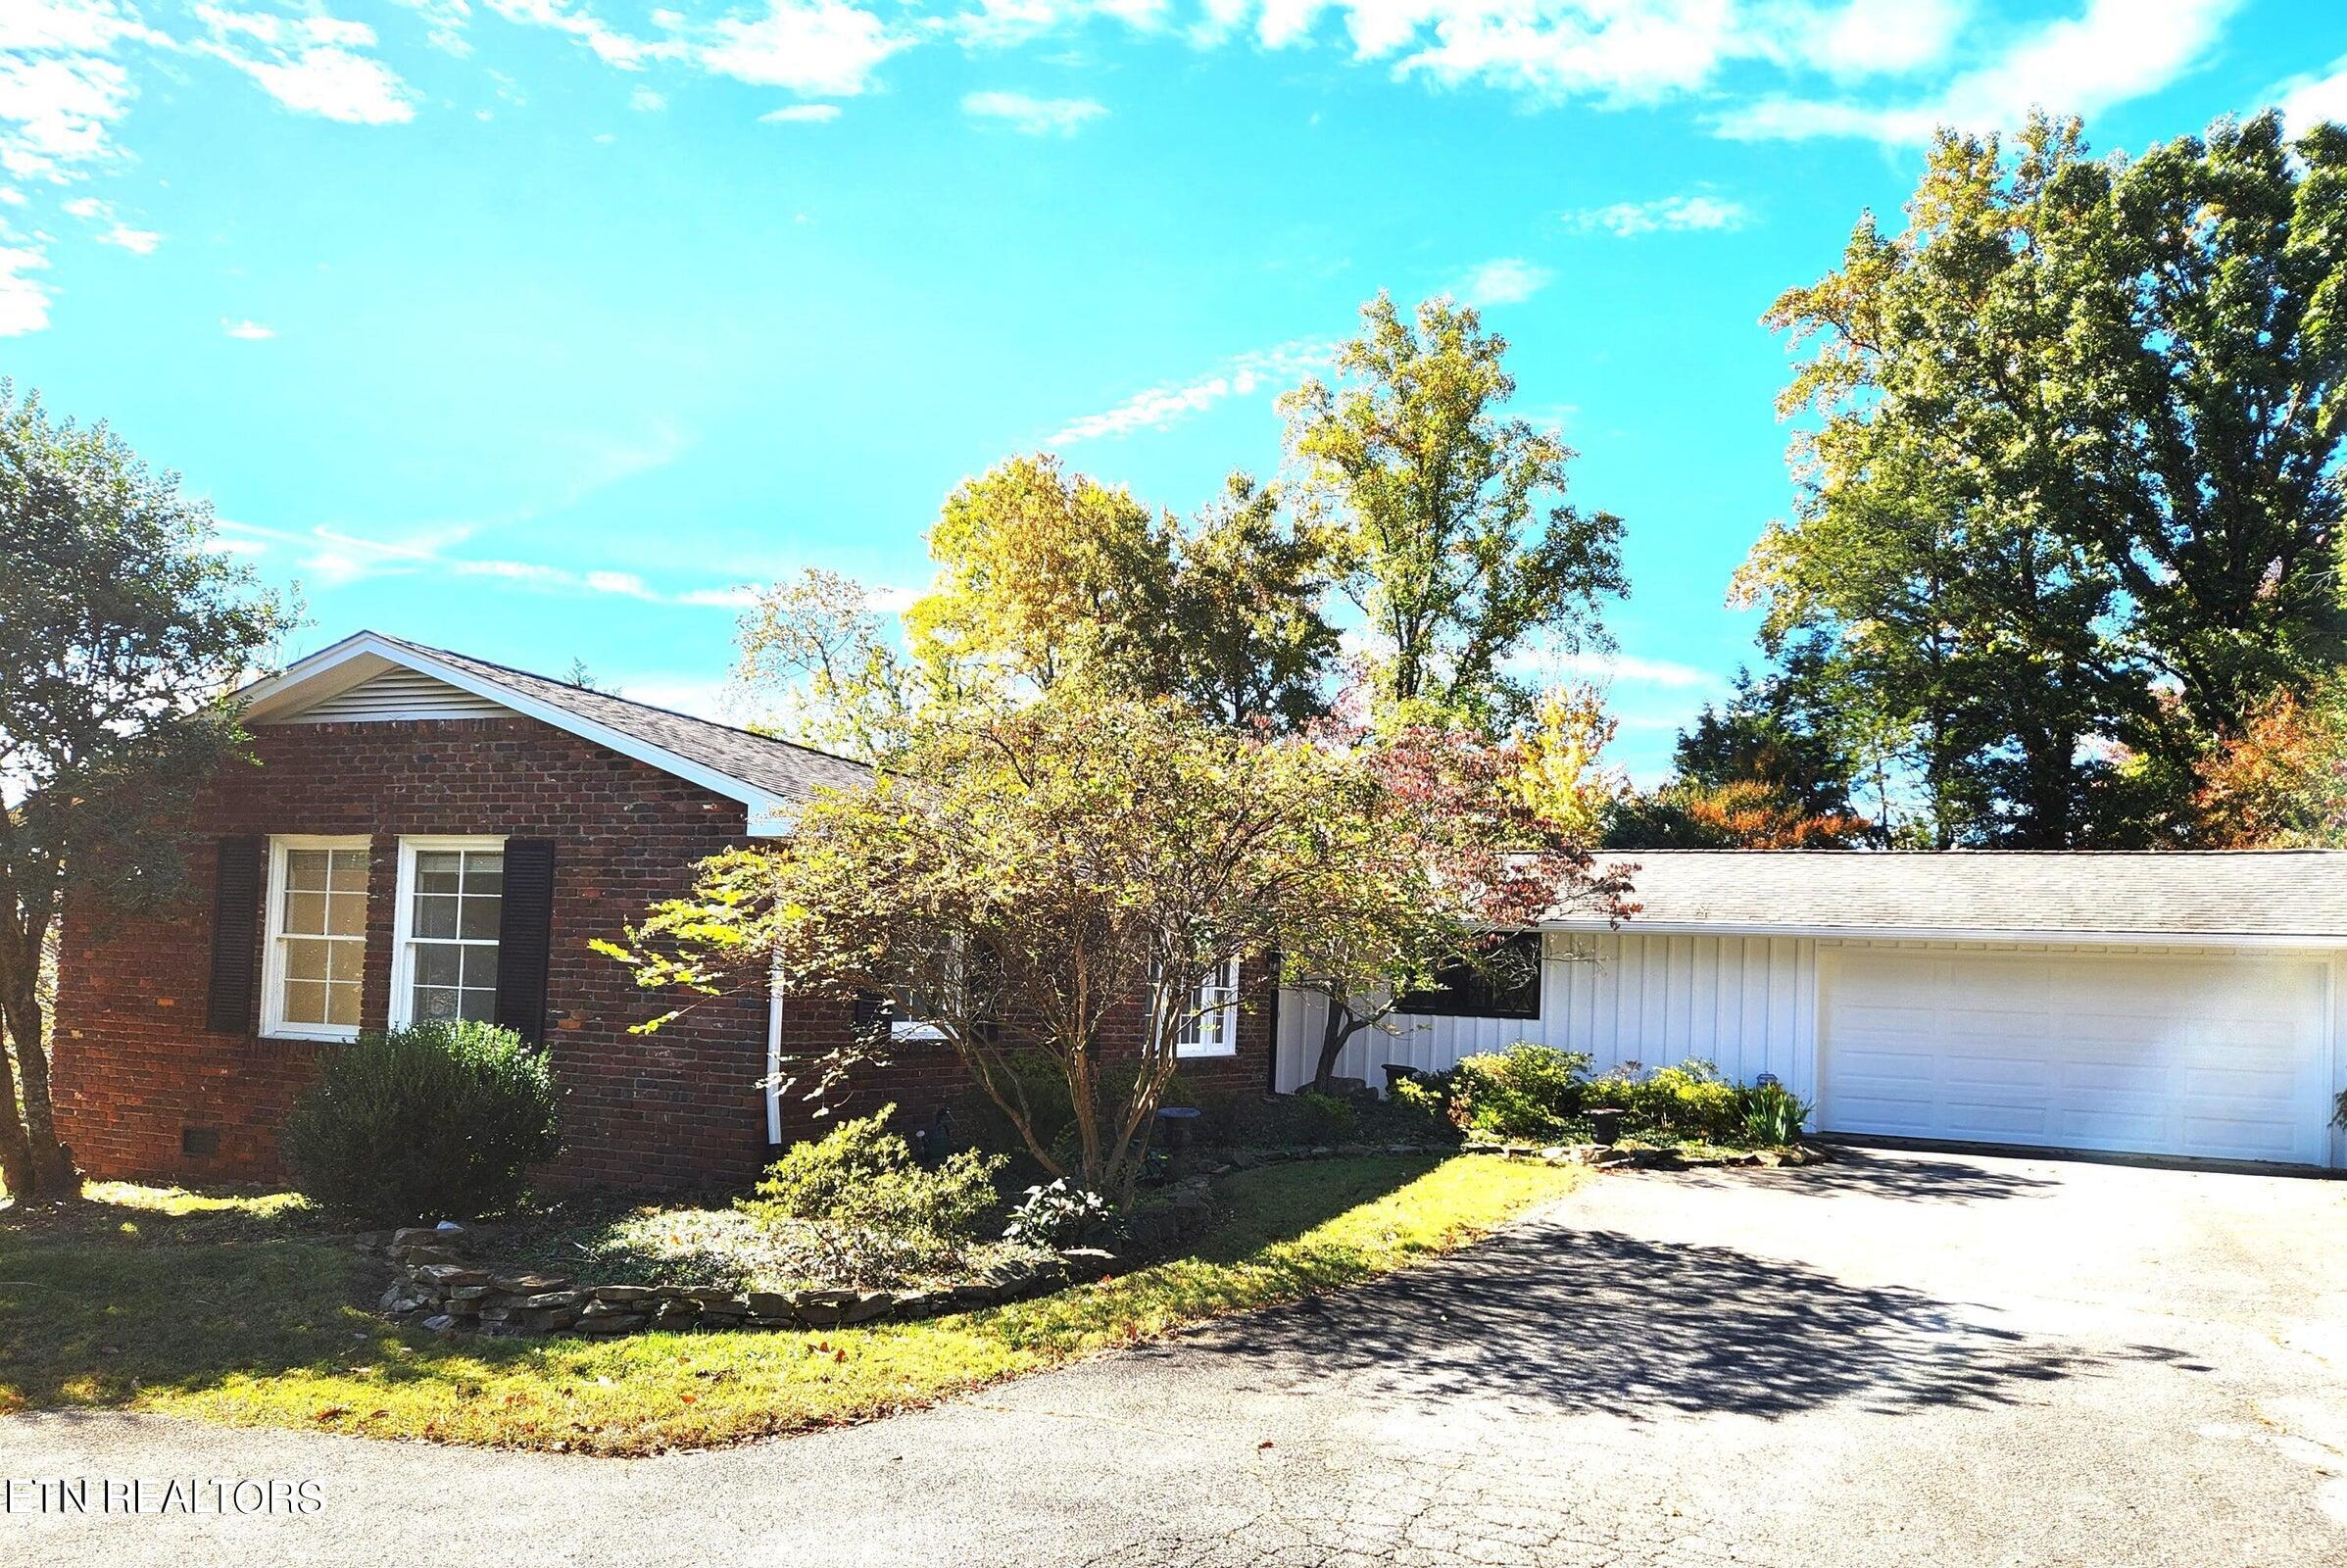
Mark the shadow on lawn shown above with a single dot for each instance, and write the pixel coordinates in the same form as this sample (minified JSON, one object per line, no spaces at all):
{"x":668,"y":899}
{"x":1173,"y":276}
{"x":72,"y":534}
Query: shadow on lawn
{"x":1548,"y":1318}
{"x":91,"y":1314}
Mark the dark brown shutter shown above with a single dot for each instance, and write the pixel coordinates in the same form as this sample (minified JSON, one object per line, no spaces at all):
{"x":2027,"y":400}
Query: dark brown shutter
{"x":870,"y":1009}
{"x":525,"y":937}
{"x":235,"y":919}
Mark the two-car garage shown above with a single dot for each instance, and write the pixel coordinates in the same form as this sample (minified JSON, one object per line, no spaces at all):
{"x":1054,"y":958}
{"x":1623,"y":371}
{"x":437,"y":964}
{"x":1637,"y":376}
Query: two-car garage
{"x":2210,"y":1054}
{"x":2188,"y":1004}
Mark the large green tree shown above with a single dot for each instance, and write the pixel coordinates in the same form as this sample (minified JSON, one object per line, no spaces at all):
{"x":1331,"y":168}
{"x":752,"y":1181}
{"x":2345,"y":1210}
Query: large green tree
{"x":2068,"y":501}
{"x":1446,"y":517}
{"x":120,"y":627}
{"x":1045,"y":575}
{"x":2210,"y":313}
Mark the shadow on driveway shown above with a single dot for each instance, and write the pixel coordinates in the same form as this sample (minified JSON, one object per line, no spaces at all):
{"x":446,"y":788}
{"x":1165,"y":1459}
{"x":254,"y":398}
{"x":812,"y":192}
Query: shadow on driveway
{"x":1922,"y":1177}
{"x":1548,"y":1318}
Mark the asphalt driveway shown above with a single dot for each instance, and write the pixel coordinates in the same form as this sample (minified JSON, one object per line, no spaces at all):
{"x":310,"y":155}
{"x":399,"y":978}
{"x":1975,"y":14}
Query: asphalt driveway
{"x":1903,"y":1360}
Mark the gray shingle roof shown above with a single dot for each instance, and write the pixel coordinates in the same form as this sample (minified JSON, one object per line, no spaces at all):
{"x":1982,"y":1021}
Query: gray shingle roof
{"x":2261,"y":893}
{"x":782,"y":766}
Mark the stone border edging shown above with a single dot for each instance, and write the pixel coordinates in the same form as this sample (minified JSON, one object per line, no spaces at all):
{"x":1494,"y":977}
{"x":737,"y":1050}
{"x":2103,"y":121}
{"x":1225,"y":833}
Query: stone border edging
{"x":439,"y":1289}
{"x":1614,"y":1157}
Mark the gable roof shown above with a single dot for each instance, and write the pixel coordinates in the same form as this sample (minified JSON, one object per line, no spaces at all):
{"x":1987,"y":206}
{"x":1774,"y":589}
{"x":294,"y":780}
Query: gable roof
{"x":769,"y":776}
{"x":2262,"y":897}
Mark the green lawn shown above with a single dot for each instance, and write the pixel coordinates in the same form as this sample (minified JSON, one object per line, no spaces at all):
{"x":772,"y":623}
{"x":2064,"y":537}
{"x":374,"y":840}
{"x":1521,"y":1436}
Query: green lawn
{"x":243,"y":1311}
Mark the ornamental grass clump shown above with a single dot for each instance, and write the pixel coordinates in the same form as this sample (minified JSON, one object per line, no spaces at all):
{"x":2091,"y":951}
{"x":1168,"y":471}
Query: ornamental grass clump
{"x":431,"y":1121}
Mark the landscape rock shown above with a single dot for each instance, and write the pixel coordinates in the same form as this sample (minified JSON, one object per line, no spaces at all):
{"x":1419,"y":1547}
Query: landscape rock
{"x":1153,"y":1227}
{"x":450,"y":1275}
{"x":529,"y":1284}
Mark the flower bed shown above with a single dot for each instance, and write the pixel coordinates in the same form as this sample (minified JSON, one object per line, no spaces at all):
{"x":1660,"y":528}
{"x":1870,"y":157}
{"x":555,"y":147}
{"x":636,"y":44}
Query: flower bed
{"x":449,"y":1283}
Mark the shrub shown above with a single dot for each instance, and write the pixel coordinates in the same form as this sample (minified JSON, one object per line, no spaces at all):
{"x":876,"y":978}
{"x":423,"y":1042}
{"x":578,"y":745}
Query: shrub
{"x":1773,"y":1115}
{"x":861,"y":1176}
{"x":1688,"y":1100}
{"x":1527,"y":1091}
{"x":1057,"y":1215}
{"x":432,"y":1121}
{"x":1425,"y":1097}
{"x":1326,"y":1119}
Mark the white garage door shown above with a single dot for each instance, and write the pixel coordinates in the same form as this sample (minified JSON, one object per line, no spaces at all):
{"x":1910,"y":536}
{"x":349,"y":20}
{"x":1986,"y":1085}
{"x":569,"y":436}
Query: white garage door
{"x":2210,"y":1057}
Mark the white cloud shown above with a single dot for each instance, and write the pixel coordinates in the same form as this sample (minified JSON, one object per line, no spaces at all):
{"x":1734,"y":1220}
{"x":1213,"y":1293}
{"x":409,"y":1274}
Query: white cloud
{"x":1034,"y":116}
{"x":825,"y":47}
{"x":2312,"y":97}
{"x":2110,"y":52}
{"x":445,"y":22}
{"x":248,"y":330}
{"x":886,"y":601}
{"x":56,"y":112}
{"x":1869,"y":36}
{"x":624,"y":584}
{"x":1630,"y":219}
{"x":801,"y":114}
{"x":610,"y":45}
{"x":1629,"y":667}
{"x":1502,"y":280}
{"x":23,"y":302}
{"x":311,"y":63}
{"x":334,"y":558}
{"x":645,"y":101}
{"x":1162,"y":406}
{"x":137,"y":241}
{"x":738,"y":597}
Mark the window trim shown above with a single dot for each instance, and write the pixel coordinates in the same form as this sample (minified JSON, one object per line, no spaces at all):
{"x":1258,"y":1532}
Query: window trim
{"x":274,"y":1025}
{"x":403,"y":913}
{"x":1225,"y":976}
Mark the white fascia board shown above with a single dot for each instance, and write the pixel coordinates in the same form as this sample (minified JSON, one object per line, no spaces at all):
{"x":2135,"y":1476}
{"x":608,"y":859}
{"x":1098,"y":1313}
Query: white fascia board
{"x":768,"y":815}
{"x":1909,"y":933}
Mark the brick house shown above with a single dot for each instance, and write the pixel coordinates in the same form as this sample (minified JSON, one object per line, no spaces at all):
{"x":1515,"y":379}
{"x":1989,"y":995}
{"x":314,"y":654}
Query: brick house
{"x":428,"y":835}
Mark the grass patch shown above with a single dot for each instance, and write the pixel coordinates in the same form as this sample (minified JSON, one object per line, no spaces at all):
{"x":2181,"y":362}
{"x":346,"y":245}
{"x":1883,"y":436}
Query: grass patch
{"x":270,"y":1330}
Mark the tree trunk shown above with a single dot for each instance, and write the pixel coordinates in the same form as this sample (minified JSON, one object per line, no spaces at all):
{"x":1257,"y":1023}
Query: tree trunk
{"x":1336,"y":1030}
{"x":35,"y":1166}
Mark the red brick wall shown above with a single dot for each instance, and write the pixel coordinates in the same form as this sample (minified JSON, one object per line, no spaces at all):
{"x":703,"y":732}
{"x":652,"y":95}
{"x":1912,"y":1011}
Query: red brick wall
{"x":681,"y":1108}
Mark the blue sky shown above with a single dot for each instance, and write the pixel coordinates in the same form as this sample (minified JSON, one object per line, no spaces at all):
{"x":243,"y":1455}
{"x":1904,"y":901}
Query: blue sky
{"x":535,"y":328}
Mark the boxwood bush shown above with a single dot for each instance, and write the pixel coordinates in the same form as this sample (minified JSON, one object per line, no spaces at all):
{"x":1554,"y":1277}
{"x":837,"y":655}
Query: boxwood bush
{"x":431,"y":1121}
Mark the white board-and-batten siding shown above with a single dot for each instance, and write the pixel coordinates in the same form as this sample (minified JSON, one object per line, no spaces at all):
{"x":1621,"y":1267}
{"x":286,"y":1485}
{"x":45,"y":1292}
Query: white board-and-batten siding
{"x":1745,"y":1002}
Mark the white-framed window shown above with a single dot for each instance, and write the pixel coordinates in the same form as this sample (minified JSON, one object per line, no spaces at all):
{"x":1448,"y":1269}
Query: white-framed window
{"x":317,"y":937}
{"x":1210,"y":1025}
{"x":443,"y":932}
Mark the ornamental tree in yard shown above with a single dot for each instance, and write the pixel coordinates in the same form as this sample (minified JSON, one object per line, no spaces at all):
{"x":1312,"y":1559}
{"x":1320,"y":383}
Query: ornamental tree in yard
{"x":1027,"y":876}
{"x":119,"y":626}
{"x":1457,"y":847}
